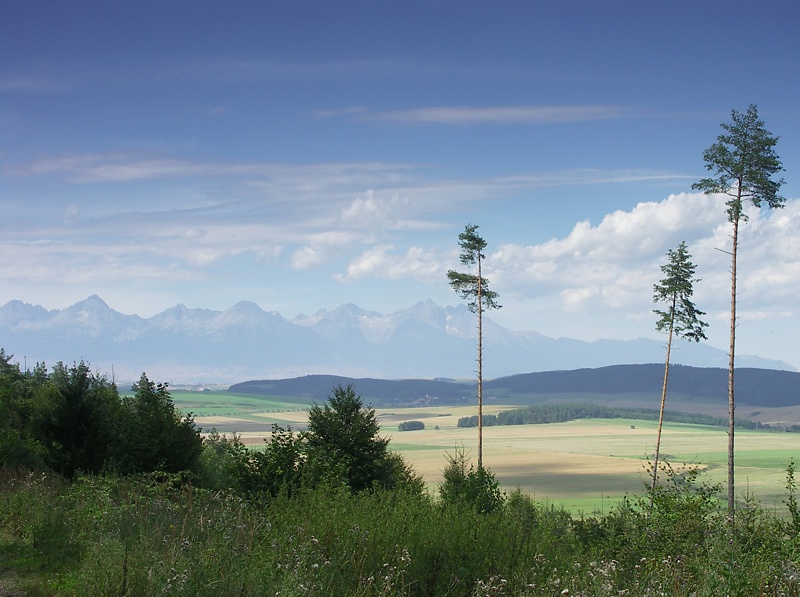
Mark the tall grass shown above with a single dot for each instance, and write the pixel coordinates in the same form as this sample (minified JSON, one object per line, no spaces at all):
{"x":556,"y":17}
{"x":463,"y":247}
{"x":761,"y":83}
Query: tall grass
{"x":161,"y":536}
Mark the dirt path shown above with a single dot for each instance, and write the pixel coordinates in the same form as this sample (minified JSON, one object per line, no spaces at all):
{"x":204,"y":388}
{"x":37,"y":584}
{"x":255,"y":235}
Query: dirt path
{"x":9,"y":588}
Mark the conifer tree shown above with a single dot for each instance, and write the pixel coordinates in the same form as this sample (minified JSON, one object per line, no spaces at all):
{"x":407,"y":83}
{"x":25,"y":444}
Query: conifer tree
{"x":474,"y":288}
{"x":742,"y":162}
{"x":681,"y":319}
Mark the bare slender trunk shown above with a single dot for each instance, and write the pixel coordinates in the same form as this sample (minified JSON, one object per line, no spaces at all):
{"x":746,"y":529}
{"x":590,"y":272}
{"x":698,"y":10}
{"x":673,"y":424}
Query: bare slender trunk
{"x":480,"y":365}
{"x":663,"y":402}
{"x":731,"y":368}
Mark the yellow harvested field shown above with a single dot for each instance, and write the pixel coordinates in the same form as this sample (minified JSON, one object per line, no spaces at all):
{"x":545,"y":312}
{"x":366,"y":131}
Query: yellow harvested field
{"x":218,"y":421}
{"x":298,"y":416}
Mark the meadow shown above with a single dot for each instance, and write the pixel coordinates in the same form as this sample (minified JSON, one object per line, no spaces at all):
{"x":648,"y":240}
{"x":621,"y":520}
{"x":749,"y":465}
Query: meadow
{"x":562,"y":527}
{"x":582,"y":466}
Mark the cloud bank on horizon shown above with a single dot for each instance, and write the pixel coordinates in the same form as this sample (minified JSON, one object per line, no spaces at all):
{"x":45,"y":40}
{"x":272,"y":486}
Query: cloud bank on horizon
{"x":301,"y":166}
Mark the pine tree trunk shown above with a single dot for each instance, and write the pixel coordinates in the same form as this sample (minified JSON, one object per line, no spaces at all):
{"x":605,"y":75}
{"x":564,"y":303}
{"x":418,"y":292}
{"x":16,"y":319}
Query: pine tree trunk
{"x":731,"y":368}
{"x":480,"y":366}
{"x":663,"y":403}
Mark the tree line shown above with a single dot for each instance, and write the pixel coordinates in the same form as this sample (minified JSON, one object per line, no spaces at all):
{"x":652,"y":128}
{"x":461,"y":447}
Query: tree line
{"x":571,"y":411}
{"x":73,"y":421}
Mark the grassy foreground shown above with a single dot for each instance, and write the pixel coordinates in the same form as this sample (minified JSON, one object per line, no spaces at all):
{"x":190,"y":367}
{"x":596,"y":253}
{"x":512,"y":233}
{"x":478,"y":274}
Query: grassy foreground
{"x":160,"y":536}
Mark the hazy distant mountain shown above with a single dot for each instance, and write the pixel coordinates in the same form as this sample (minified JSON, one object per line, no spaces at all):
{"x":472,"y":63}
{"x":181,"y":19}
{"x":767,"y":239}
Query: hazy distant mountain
{"x":246,"y":342}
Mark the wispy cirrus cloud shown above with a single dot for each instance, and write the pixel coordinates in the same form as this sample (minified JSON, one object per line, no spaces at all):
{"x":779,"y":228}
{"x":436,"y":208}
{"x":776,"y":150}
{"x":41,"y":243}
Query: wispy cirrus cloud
{"x":26,"y":83}
{"x":469,"y":115}
{"x":127,"y":167}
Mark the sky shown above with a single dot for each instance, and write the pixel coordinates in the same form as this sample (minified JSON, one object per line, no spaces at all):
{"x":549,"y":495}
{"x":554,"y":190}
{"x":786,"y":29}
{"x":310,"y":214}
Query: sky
{"x":303,"y":155}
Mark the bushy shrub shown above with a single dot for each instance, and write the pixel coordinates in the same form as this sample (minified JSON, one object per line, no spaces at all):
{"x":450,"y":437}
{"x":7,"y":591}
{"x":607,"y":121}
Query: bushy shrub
{"x":223,"y":463}
{"x":465,"y":484}
{"x":411,"y":426}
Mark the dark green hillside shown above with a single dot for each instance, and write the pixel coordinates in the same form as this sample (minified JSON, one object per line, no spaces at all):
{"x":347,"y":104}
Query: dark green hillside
{"x":406,"y":391}
{"x":755,"y":387}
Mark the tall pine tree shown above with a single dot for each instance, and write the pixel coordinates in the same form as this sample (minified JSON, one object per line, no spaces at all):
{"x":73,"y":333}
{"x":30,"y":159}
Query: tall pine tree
{"x":742,"y":162}
{"x":474,"y":288}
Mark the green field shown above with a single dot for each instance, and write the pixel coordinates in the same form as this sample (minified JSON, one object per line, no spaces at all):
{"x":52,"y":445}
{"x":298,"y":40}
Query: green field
{"x":584,"y":465}
{"x":227,"y":403}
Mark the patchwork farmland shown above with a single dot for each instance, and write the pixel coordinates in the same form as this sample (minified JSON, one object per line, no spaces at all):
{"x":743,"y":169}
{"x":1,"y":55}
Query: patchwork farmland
{"x":584,"y":465}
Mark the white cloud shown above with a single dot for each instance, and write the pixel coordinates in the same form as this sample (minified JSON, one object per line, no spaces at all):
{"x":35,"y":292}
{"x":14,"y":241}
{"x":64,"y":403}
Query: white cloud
{"x":24,"y":83}
{"x":375,"y":212}
{"x":321,"y":248}
{"x":307,"y":258}
{"x":368,"y":210}
{"x":71,"y":213}
{"x":85,"y":168}
{"x":379,"y":262}
{"x":382,"y":221}
{"x":613,"y":265}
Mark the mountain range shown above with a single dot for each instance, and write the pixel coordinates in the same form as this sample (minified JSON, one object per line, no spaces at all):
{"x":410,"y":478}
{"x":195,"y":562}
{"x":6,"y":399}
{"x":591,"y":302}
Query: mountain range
{"x":183,"y":345}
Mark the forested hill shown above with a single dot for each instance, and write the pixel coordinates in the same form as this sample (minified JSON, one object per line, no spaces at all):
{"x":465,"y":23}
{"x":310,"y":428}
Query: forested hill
{"x":756,"y":387}
{"x":319,"y":388}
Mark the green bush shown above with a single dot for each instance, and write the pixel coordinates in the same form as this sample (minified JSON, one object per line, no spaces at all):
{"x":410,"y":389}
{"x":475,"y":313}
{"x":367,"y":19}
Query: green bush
{"x":463,"y":483}
{"x":411,"y":426}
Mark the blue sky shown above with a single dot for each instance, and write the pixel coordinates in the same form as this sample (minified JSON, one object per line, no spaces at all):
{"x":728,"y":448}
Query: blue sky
{"x":303,"y":155}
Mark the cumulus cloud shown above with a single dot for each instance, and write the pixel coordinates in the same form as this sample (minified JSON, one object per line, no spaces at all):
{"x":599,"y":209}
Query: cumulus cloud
{"x":321,"y":248}
{"x":364,"y":210}
{"x":307,"y":257}
{"x":613,"y":265}
{"x":380,"y":262}
{"x":374,"y":212}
